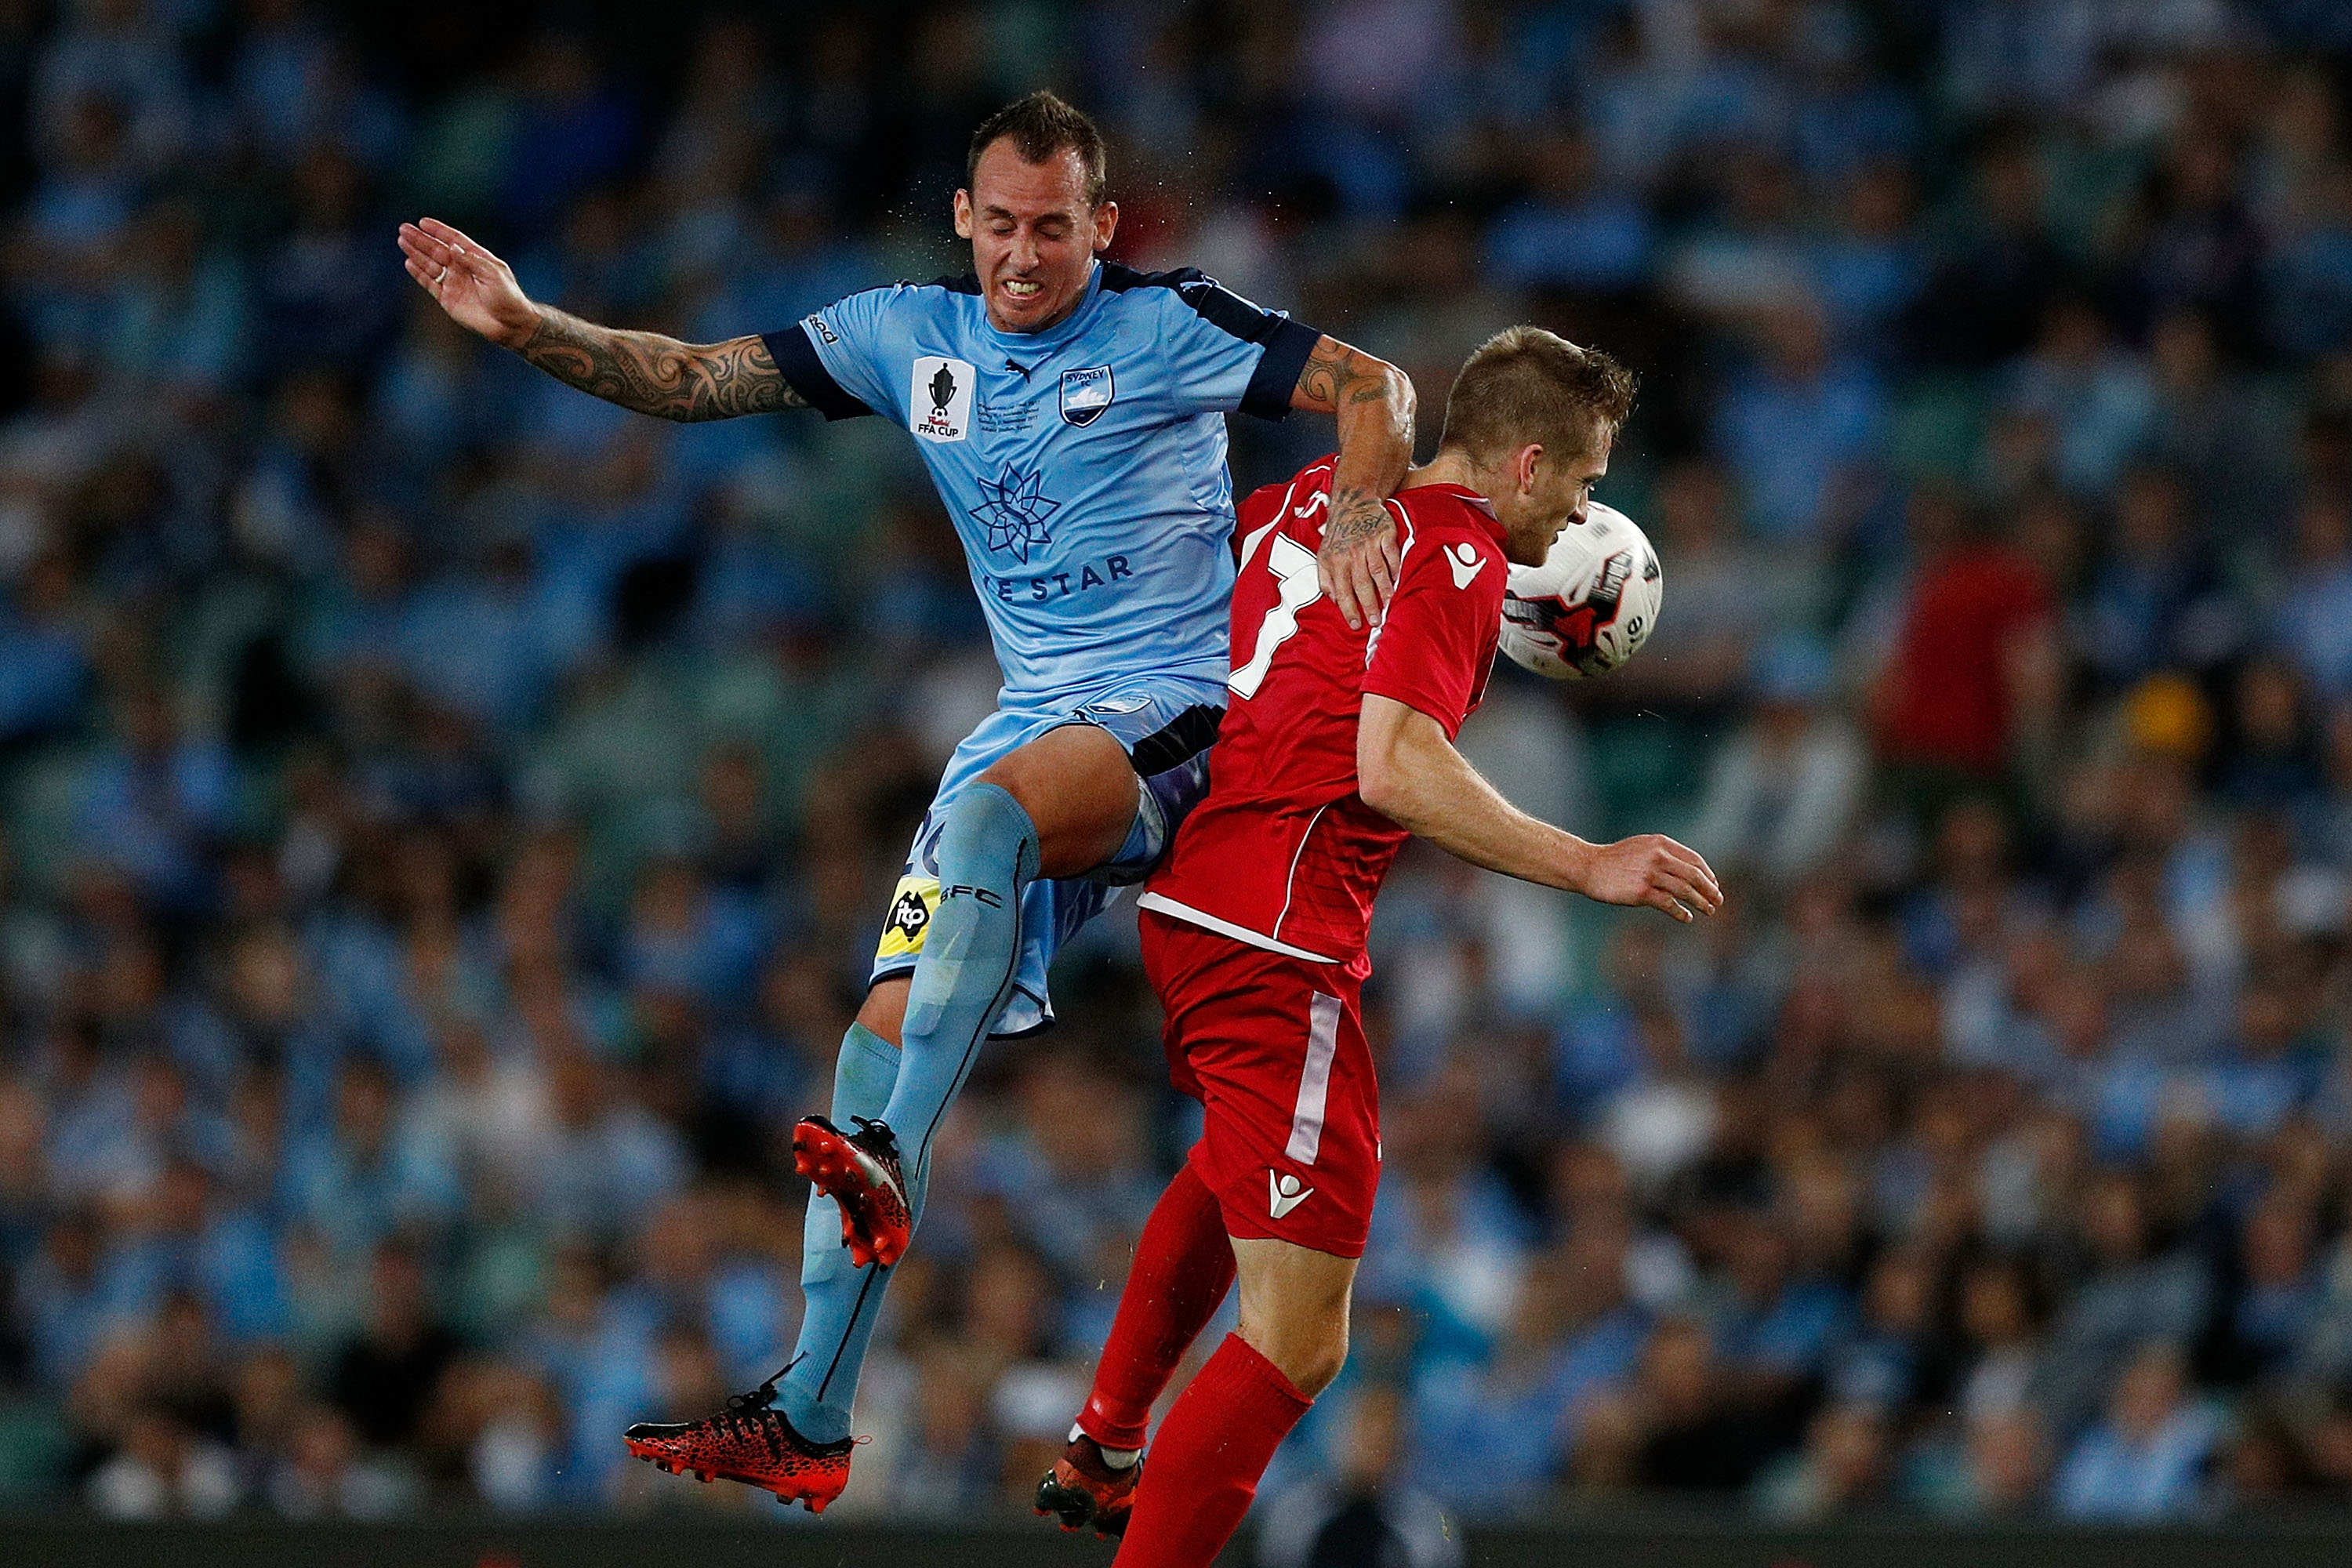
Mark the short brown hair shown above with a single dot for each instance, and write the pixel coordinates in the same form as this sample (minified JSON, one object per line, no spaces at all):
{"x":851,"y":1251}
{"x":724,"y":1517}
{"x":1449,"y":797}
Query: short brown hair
{"x":1524,"y":384}
{"x":1041,"y":125}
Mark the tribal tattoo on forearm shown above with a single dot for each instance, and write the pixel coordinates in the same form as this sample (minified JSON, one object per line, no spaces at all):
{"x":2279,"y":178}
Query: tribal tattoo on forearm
{"x":659,"y":376}
{"x":1341,"y":376}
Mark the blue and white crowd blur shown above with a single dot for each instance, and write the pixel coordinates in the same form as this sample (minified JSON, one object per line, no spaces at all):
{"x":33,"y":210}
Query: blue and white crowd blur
{"x":446,"y":819}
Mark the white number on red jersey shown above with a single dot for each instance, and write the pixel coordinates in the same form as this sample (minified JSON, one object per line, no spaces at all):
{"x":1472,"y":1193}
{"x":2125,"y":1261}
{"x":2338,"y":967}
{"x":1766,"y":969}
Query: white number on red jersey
{"x":1293,"y":566}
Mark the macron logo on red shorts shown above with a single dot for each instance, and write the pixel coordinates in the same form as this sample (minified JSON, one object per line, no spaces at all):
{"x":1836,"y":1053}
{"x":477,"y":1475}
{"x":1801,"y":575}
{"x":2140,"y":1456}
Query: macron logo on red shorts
{"x":1284,"y":1193}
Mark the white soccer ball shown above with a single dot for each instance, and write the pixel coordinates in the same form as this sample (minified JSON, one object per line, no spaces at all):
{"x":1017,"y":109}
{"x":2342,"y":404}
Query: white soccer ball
{"x":1590,"y":605}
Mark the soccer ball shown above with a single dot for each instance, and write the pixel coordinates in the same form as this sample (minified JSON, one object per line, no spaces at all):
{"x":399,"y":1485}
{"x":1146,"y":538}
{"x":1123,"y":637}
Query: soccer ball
{"x":1592,"y":602}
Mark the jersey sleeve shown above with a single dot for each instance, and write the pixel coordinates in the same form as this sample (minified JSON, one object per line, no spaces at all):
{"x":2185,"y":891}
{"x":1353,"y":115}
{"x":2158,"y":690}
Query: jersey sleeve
{"x":1439,"y":625}
{"x":834,"y":358}
{"x":1226,"y":352}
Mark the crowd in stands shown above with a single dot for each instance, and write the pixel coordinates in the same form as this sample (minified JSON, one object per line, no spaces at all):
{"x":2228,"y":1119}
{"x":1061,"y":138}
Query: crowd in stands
{"x":447,"y":820}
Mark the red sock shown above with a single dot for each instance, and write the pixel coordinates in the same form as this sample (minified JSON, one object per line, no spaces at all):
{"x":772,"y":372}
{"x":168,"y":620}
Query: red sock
{"x":1205,"y":1466}
{"x":1183,"y":1266}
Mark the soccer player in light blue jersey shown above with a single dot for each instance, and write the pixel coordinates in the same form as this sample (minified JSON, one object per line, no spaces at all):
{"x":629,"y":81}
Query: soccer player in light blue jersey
{"x":1071,"y":413}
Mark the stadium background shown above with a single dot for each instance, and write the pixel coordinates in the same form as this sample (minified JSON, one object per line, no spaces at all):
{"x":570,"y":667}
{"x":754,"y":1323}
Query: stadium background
{"x":446,"y":818}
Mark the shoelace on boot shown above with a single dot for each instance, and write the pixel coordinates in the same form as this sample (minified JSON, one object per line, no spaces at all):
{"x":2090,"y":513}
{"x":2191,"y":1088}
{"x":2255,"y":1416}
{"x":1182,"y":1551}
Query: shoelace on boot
{"x":879,"y":1141}
{"x":746,"y":1411}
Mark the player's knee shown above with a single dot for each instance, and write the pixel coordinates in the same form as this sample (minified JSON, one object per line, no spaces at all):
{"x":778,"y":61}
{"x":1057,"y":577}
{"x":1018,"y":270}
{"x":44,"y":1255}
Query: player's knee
{"x":1320,"y":1360}
{"x":1321,"y":1374}
{"x":1309,"y":1355}
{"x":986,"y":821}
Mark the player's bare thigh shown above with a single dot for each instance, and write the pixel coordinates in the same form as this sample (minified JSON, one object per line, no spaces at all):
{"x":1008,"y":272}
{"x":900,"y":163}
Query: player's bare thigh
{"x":1295,"y":1308}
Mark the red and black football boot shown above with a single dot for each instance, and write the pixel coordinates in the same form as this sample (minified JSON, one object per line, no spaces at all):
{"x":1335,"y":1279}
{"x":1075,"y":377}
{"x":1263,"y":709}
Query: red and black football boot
{"x":750,"y":1441}
{"x":1081,"y":1490}
{"x":860,"y":1171}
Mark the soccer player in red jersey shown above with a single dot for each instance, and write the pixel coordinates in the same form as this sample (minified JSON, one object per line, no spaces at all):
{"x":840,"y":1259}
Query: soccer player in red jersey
{"x":1337,"y":743}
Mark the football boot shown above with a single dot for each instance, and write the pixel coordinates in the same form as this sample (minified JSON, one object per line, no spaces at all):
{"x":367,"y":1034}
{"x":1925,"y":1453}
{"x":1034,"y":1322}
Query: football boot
{"x":749,"y":1441}
{"x":860,"y":1171}
{"x":1082,"y":1489}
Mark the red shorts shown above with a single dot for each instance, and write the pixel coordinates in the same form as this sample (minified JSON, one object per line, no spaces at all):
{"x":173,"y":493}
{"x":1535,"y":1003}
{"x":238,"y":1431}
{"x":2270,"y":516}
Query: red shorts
{"x":1272,"y":1048}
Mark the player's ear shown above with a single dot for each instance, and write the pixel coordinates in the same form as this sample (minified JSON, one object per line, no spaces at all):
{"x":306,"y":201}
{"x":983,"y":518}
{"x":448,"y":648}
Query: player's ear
{"x":1106,"y":225}
{"x":963,"y":215}
{"x":1528,"y":467}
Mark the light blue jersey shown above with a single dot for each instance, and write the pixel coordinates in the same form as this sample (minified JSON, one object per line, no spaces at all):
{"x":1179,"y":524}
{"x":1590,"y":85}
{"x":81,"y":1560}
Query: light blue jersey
{"x":1084,"y":466}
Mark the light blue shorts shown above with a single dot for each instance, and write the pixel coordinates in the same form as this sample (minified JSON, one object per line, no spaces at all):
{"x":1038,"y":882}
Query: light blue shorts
{"x":1166,"y":723}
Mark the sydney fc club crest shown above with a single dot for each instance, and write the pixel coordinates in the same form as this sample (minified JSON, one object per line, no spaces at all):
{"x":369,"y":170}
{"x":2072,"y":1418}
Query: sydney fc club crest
{"x":939,"y":399}
{"x":1015,"y":512}
{"x":1086,"y":394}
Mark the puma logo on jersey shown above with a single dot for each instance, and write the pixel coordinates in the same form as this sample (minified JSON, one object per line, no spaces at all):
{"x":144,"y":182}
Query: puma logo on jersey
{"x":1284,"y":1193}
{"x":1466,"y":563}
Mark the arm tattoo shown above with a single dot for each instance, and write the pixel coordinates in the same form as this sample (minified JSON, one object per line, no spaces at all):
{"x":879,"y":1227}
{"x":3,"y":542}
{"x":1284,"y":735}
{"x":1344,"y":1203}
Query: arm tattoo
{"x":1324,"y":372}
{"x":1340,"y":376}
{"x":659,"y":376}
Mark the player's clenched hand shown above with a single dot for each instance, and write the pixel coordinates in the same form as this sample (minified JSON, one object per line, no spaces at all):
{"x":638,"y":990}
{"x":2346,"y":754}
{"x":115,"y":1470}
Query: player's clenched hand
{"x":476,"y":288}
{"x":1653,"y":869}
{"x":1357,"y":562}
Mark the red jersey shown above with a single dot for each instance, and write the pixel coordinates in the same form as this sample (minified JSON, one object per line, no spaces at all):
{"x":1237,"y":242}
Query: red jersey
{"x":1284,"y":854}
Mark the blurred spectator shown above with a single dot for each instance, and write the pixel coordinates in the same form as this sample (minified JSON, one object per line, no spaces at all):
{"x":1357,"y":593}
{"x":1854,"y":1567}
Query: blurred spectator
{"x":1781,"y":794}
{"x":1972,"y":665}
{"x":384,"y":1378}
{"x":2004,"y":1466}
{"x":1568,"y":232}
{"x":163,"y":1470}
{"x":1801,"y":428}
{"x":1843,"y":1465}
{"x":1694,"y":1432}
{"x":1508,"y":1424}
{"x":1364,"y":1515}
{"x":2147,"y":1459}
{"x":2159,"y":602}
{"x":2096,"y":399}
{"x":2316,"y":612}
{"x":2131,"y":1293}
{"x":1990,"y":290}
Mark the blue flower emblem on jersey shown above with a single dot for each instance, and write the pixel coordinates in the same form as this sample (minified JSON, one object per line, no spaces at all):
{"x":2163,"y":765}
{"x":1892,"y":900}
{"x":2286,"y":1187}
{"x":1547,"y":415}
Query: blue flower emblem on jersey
{"x":1014,"y":513}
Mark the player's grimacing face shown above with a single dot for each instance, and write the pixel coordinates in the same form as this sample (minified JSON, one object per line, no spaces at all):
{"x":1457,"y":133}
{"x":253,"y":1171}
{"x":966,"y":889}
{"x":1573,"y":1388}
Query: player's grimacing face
{"x":1033,"y":235}
{"x":1551,"y":495}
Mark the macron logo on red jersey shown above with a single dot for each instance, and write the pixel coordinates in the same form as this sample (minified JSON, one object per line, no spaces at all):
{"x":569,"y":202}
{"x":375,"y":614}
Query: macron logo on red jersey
{"x":1284,"y":1193}
{"x":1466,"y":563}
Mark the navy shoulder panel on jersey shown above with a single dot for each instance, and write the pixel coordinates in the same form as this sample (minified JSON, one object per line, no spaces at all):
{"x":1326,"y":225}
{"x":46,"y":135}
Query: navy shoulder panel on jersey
{"x":796,"y":355}
{"x":1288,"y":342}
{"x":805,"y":373}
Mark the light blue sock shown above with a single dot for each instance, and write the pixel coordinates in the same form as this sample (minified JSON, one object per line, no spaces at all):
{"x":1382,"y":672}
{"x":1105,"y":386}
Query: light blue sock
{"x":833,"y":1329}
{"x":988,"y":858}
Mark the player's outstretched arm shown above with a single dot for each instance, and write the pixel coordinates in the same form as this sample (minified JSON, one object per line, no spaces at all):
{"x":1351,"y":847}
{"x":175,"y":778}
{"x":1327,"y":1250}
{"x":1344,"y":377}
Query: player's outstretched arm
{"x":1374,"y":403}
{"x":1410,"y":772}
{"x":643,"y":371}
